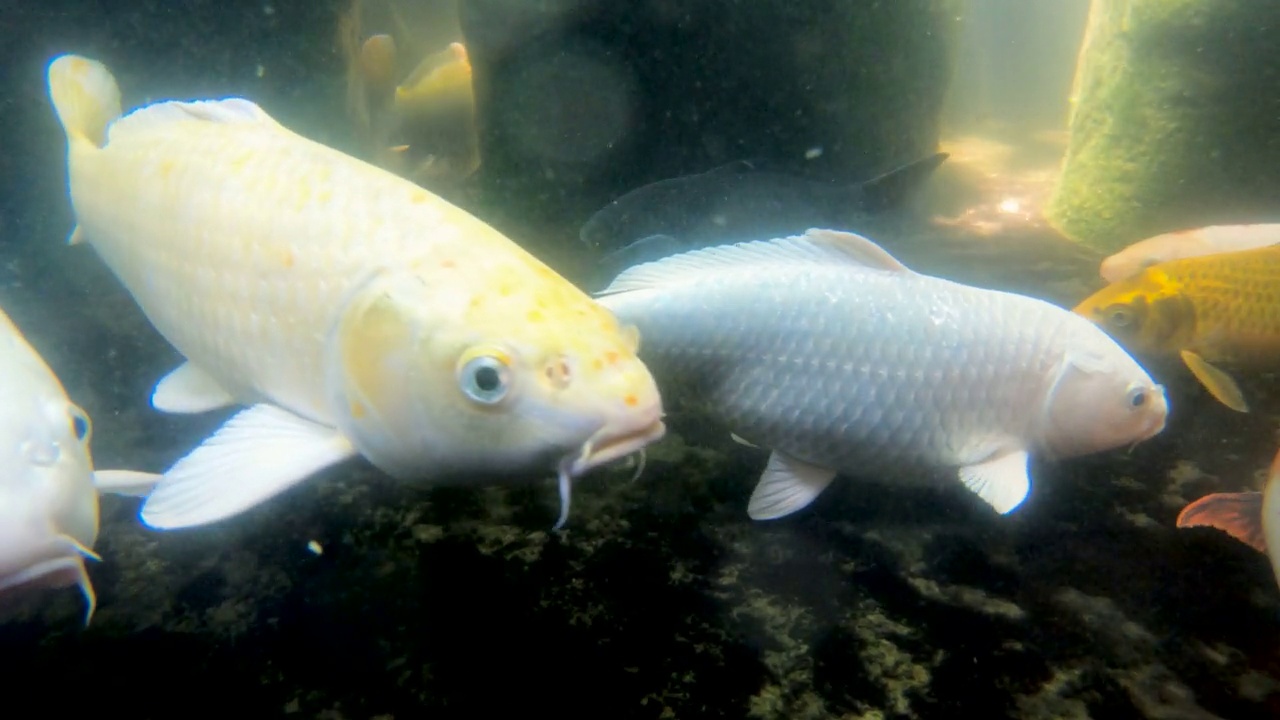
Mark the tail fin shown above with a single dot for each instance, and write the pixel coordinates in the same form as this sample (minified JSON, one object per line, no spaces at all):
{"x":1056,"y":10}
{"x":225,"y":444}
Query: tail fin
{"x":85,"y":96}
{"x":887,"y":191}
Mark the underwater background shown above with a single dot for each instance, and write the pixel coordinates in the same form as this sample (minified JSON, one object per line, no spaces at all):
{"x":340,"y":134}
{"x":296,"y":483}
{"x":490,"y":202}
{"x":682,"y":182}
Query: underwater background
{"x":353,"y":596}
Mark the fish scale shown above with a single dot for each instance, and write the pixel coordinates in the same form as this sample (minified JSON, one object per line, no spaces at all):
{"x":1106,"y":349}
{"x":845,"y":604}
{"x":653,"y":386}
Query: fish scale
{"x":863,"y":366}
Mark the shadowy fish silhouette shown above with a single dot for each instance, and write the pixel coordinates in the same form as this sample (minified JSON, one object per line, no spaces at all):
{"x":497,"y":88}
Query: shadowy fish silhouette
{"x":737,"y":202}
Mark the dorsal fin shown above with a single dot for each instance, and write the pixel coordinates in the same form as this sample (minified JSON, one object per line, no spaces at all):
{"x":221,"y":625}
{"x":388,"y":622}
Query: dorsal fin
{"x":229,"y":110}
{"x":816,"y":246}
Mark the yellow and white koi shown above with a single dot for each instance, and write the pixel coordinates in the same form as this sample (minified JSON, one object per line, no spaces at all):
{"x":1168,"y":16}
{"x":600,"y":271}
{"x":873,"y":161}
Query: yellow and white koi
{"x":355,"y":312}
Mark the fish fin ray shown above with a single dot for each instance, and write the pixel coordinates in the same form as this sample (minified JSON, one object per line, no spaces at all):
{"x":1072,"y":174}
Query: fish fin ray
{"x":1237,"y":514}
{"x":260,"y":452}
{"x":231,"y":110}
{"x":188,"y":389}
{"x":738,"y":439}
{"x":131,"y":483}
{"x":787,"y":486}
{"x":814,"y":247}
{"x":1001,"y":481}
{"x":76,"y":237}
{"x":1219,"y":384}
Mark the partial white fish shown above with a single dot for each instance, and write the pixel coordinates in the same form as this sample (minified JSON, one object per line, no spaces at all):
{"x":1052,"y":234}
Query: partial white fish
{"x":1195,"y":242}
{"x":831,"y":353}
{"x":355,"y":312}
{"x":48,"y":498}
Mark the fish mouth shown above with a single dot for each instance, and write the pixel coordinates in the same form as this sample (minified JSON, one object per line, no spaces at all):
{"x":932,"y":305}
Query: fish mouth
{"x":63,"y":566}
{"x":606,"y":445}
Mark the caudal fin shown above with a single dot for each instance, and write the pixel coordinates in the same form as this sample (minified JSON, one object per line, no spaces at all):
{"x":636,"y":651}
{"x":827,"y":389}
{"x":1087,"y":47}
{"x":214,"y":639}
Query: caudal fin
{"x":85,"y":97}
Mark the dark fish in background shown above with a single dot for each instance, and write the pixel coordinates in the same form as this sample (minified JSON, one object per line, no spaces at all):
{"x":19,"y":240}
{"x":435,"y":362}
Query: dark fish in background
{"x":738,"y":203}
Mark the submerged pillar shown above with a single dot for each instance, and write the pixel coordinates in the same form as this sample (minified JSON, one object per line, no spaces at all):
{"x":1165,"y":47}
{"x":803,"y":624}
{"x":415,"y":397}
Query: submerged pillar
{"x":1175,"y":121}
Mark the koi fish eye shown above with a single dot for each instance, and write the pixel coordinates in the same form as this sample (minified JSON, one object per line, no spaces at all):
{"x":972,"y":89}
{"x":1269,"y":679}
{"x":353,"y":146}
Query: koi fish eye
{"x":485,"y":379}
{"x":1137,"y":397}
{"x":80,"y":424}
{"x":1119,"y":316}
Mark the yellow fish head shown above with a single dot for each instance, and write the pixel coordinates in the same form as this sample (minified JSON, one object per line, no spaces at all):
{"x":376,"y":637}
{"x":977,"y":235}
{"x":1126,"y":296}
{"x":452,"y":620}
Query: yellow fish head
{"x":519,"y":372}
{"x":1145,"y":313}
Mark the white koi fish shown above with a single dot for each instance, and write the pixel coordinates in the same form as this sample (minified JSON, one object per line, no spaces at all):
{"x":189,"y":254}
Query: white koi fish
{"x":831,"y":353}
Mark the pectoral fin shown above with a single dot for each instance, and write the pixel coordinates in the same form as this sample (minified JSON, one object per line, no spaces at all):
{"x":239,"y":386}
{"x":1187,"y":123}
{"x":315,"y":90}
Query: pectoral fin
{"x":260,"y":452}
{"x":1237,"y":514}
{"x":786,"y":486}
{"x":1217,"y":382}
{"x":1001,"y":481}
{"x":188,"y":389}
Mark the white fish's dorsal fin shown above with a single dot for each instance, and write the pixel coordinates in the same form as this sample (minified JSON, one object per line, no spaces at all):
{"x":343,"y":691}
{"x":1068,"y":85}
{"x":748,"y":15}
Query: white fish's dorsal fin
{"x":229,"y":110}
{"x":819,"y":247}
{"x":856,"y":249}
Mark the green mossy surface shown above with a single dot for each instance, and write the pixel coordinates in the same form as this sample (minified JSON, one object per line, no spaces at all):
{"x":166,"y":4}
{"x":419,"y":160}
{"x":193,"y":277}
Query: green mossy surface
{"x":1176,"y":121}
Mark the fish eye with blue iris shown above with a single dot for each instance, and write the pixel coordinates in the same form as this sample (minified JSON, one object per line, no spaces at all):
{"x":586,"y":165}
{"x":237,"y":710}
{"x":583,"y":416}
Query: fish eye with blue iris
{"x":771,"y":360}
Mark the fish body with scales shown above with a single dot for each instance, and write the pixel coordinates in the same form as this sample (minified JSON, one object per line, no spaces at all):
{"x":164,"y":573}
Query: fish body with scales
{"x":353,"y":311}
{"x":48,"y":488}
{"x":1211,"y":310}
{"x":827,"y":351}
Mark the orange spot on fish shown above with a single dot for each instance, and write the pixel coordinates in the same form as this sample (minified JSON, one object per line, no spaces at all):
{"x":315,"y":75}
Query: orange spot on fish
{"x":448,"y":263}
{"x":534,"y":316}
{"x":597,"y":364}
{"x":631,"y":400}
{"x":418,"y":197}
{"x":357,"y":410}
{"x":286,"y":258}
{"x":612,"y":357}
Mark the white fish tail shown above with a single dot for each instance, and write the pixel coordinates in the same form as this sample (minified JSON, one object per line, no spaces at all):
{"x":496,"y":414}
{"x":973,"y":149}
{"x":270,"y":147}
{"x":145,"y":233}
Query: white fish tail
{"x":85,"y":96}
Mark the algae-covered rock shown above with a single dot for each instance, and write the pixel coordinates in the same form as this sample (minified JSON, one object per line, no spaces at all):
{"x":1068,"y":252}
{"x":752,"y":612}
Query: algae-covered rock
{"x":1176,"y":120}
